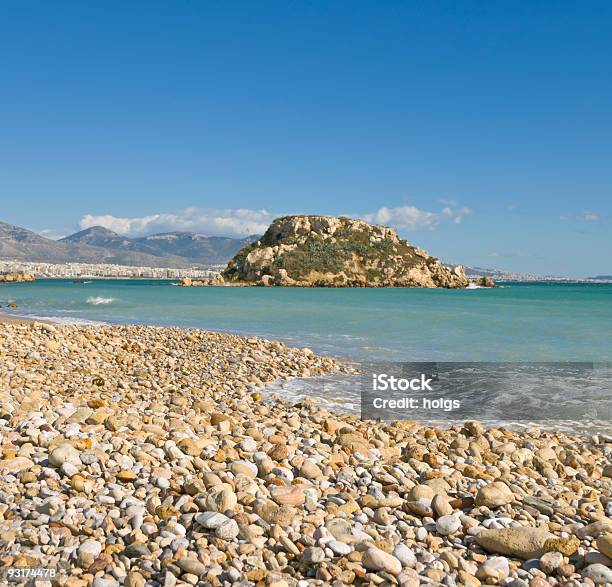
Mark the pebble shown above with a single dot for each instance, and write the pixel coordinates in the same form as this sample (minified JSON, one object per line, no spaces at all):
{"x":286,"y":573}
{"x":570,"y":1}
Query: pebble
{"x":313,"y":555}
{"x":604,"y":545}
{"x":191,"y":566}
{"x":404,"y":555}
{"x":448,"y":525}
{"x":494,"y":495}
{"x":65,"y":453}
{"x":143,"y":455}
{"x":340,"y":548}
{"x":310,"y":470}
{"x":496,"y":569}
{"x":375,"y":559}
{"x":441,"y":506}
{"x":598,"y":573}
{"x":105,"y":582}
{"x":523,"y":542}
{"x":550,"y":562}
{"x":88,"y":552}
{"x":211,"y":520}
{"x":220,"y":499}
{"x":244,"y":468}
{"x":292,"y":495}
{"x":15,"y":465}
{"x":137,"y":550}
{"x":227,"y":531}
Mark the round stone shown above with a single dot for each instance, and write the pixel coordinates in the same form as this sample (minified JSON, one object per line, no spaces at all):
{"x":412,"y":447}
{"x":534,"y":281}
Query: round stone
{"x":375,"y":559}
{"x":88,"y":552}
{"x":211,"y":520}
{"x":448,"y":525}
{"x":494,"y":495}
{"x":598,"y":573}
{"x":244,"y":468}
{"x":404,"y":555}
{"x":227,"y":531}
{"x":340,"y":548}
{"x":191,"y":566}
{"x":313,"y":555}
{"x":65,"y":453}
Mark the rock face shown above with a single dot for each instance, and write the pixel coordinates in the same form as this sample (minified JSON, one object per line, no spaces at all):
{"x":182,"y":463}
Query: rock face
{"x":321,"y":251}
{"x":484,"y":281}
{"x":16,"y":277}
{"x":213,"y":280}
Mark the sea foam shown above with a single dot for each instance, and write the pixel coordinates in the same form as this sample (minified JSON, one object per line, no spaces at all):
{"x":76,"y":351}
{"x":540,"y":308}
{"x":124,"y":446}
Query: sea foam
{"x":98,"y":300}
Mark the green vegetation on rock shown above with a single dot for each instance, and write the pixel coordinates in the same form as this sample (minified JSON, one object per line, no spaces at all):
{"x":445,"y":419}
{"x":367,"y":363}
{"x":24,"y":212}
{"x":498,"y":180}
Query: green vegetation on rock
{"x":321,"y":251}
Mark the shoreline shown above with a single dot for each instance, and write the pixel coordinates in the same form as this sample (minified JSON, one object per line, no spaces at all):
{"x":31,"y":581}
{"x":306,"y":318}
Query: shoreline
{"x":9,"y":319}
{"x":164,"y":433}
{"x":300,"y":388}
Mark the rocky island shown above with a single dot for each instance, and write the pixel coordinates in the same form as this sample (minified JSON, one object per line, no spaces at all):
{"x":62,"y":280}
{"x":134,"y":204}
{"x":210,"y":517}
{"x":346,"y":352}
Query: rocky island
{"x":324,"y":251}
{"x":16,"y":277}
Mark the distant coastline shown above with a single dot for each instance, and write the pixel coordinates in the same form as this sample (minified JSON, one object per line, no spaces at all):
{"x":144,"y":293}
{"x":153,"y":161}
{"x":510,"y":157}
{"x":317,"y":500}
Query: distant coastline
{"x":105,"y":271}
{"x":111,"y":272}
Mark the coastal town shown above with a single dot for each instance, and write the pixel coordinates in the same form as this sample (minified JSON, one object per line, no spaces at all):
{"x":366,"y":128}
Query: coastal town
{"x":102,"y":271}
{"x":205,"y":273}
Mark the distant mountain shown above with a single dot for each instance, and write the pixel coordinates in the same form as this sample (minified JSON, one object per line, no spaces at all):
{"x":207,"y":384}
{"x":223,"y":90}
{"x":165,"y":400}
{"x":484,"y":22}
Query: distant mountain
{"x":98,"y":236}
{"x":20,"y":244}
{"x":100,"y":245}
{"x":191,"y":247}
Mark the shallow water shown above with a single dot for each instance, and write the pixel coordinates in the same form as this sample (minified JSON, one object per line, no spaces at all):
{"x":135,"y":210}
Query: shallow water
{"x":517,"y":322}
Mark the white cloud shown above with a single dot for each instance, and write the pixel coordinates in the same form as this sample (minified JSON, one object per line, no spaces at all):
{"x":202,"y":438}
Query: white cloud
{"x":238,"y":222}
{"x":585,"y":216}
{"x":229,"y":222}
{"x":412,"y":218}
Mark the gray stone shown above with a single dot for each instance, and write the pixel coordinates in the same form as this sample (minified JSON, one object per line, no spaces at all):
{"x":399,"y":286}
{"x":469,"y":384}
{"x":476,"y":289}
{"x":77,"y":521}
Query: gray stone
{"x":228,"y":530}
{"x":599,"y":574}
{"x":137,"y":550}
{"x":211,"y":520}
{"x":404,"y":555}
{"x":104,"y":582}
{"x":313,"y":555}
{"x":192,"y":566}
{"x":448,"y":525}
{"x":340,"y":548}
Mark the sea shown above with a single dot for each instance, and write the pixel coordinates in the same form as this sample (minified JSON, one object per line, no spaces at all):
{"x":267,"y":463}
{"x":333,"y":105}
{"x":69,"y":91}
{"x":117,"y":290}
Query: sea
{"x":560,"y":328}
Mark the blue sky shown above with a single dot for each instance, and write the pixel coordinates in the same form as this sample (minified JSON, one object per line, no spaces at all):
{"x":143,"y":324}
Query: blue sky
{"x":481,"y":130}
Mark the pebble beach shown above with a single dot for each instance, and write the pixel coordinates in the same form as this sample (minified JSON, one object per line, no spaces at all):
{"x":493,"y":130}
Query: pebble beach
{"x":141,"y":455}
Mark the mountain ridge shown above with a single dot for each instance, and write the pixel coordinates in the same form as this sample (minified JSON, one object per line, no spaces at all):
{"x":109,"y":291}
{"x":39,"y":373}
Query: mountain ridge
{"x":101,"y":245}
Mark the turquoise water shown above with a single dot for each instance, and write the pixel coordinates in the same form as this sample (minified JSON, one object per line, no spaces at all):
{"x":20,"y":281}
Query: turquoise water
{"x":516,"y":322}
{"x":535,"y":321}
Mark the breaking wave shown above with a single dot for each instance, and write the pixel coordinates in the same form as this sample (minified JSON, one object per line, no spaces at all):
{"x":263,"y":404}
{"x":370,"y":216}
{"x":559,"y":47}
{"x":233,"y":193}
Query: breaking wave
{"x":98,"y":300}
